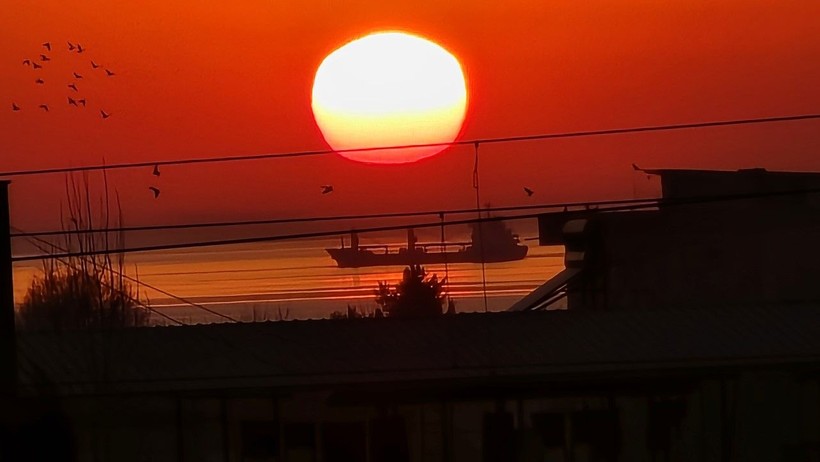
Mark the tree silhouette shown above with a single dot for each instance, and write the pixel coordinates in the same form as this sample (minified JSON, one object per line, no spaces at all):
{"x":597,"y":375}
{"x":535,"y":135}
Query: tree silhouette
{"x":414,"y":296}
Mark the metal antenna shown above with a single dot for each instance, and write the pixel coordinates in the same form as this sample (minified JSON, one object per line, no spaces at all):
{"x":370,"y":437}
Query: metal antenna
{"x":446,"y":268}
{"x":477,"y":187}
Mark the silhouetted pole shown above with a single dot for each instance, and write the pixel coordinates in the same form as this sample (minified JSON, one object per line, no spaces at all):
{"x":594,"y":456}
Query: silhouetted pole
{"x":8,"y":350}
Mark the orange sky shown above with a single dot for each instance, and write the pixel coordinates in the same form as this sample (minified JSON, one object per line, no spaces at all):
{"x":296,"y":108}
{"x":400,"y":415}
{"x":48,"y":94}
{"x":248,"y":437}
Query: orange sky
{"x":198,"y":79}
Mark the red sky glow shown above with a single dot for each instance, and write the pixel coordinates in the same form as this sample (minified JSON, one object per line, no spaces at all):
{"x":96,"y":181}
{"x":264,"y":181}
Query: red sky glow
{"x":198,"y":79}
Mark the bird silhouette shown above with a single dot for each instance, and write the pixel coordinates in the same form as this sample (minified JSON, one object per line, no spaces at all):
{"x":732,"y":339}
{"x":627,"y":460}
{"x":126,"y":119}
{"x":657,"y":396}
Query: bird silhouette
{"x":47,"y":45}
{"x":44,"y":58}
{"x":15,"y":107}
{"x":44,"y":107}
{"x":77,"y":76}
{"x":94,"y":65}
{"x":71,"y":101}
{"x":72,"y":86}
{"x":156,"y":170}
{"x":27,"y":62}
{"x":529,"y":191}
{"x":36,"y":66}
{"x":104,"y":114}
{"x":79,"y":48}
{"x":71,"y":46}
{"x":81,"y":101}
{"x":154,"y":190}
{"x":39,"y":81}
{"x":109,"y":73}
{"x":326,"y":189}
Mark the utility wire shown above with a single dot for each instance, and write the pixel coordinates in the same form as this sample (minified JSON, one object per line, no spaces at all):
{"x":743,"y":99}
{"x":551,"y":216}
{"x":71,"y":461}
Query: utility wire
{"x":218,"y":224}
{"x":181,"y":299}
{"x":40,"y":246}
{"x":320,"y":152}
{"x":136,"y":281}
{"x":226,"y":341}
{"x":251,"y":240}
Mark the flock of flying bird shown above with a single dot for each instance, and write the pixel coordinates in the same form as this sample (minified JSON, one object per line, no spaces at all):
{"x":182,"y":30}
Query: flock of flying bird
{"x":76,"y":101}
{"x":73,"y":99}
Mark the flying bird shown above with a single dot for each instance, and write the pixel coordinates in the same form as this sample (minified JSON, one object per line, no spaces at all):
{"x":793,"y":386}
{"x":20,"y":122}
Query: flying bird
{"x":79,"y":48}
{"x":326,"y":189}
{"x":39,"y":81}
{"x":106,"y":115}
{"x":529,"y":191}
{"x":36,"y":66}
{"x":72,"y":86}
{"x":81,"y":101}
{"x":15,"y":107}
{"x":71,"y":101}
{"x":71,"y":46}
{"x":156,"y":170}
{"x":77,"y":76}
{"x":154,"y":190}
{"x":27,"y":62}
{"x":94,"y":65}
{"x":109,"y":73}
{"x":44,"y":107}
{"x":44,"y":58}
{"x":47,"y":45}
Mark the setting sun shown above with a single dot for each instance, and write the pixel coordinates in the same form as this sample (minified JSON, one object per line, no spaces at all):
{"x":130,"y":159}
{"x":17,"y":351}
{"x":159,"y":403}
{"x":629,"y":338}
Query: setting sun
{"x":389,"y":89}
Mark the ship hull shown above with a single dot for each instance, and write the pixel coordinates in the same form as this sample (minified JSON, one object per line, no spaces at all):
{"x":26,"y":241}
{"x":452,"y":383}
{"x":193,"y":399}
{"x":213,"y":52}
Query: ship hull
{"x":355,"y":258}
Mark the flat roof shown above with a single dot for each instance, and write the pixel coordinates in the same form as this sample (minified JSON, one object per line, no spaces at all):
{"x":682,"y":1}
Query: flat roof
{"x":459,"y":347}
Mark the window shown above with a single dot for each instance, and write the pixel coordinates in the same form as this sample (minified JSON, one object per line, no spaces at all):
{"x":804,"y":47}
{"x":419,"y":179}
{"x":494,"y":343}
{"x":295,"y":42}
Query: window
{"x":499,"y":437}
{"x":388,"y":440}
{"x":595,"y":435}
{"x":343,"y":442}
{"x":300,"y":442}
{"x":260,"y":441}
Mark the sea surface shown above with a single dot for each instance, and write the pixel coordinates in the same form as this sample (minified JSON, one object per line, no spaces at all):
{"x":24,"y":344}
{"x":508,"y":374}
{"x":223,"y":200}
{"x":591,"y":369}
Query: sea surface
{"x":298,"y":280}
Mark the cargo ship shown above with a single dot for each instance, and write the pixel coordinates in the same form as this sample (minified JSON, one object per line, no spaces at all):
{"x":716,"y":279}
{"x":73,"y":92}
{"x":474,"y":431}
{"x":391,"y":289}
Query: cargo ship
{"x":499,"y":244}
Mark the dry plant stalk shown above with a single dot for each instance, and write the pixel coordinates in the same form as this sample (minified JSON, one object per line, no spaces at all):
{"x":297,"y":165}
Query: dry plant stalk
{"x":90,"y":291}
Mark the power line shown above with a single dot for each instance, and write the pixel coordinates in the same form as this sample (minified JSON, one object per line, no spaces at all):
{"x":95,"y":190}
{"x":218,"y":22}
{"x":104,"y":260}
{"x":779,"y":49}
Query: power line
{"x":133,"y":299}
{"x":67,"y":254}
{"x":507,"y":139}
{"x":251,"y":240}
{"x":157,"y":312}
{"x":96,"y":264}
{"x":217,"y":224}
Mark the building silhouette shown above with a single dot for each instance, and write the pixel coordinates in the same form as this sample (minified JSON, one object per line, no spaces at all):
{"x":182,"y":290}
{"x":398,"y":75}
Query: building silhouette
{"x":688,"y":332}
